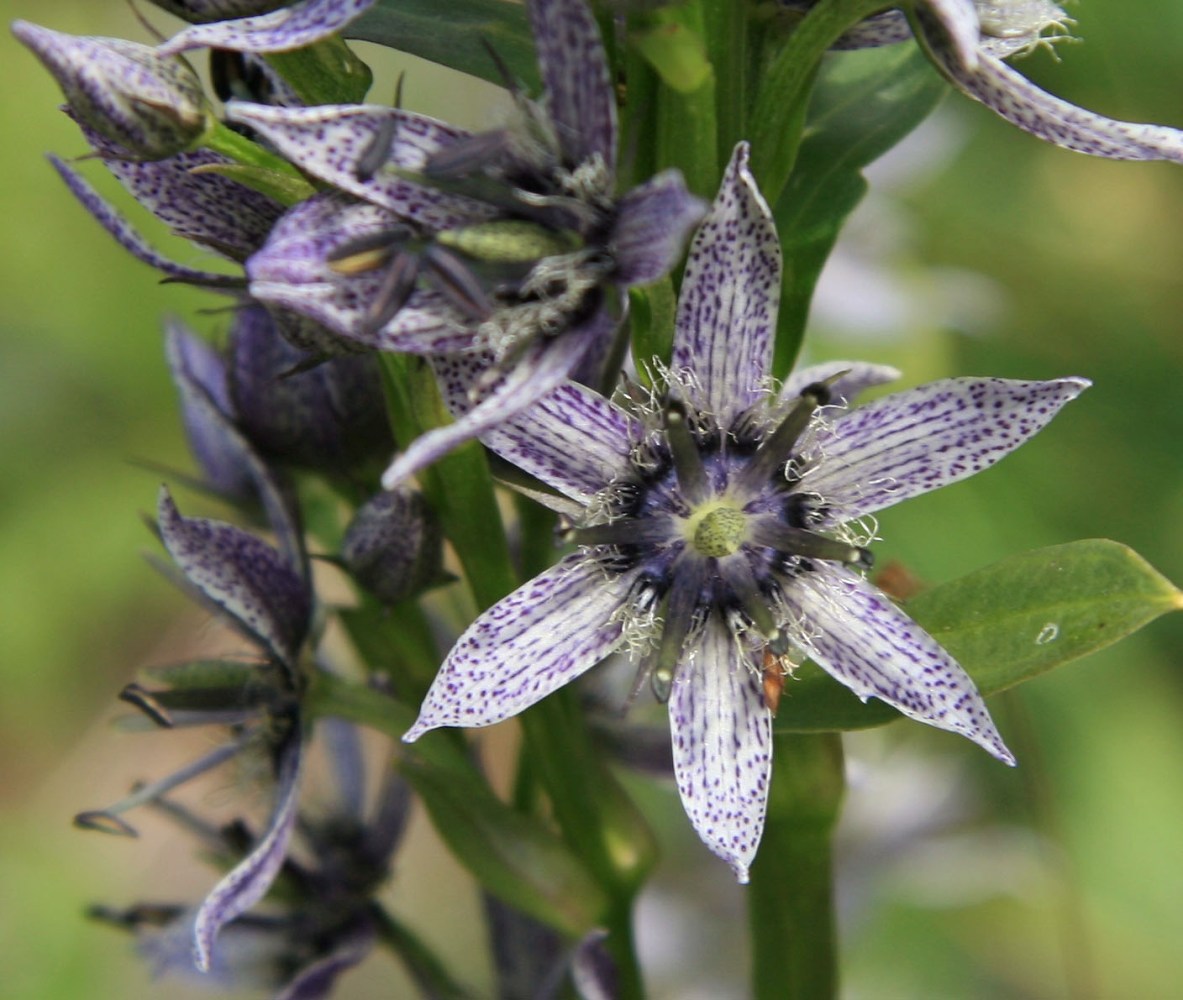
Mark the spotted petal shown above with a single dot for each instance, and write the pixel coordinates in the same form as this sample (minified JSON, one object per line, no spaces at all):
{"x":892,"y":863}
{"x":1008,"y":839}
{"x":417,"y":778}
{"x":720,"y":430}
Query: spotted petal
{"x":317,"y":980}
{"x":855,"y":633}
{"x":280,"y":31}
{"x":330,"y":141}
{"x":722,"y":736}
{"x":574,"y":69}
{"x":240,"y":575}
{"x":653,"y":221}
{"x":247,"y":883}
{"x":127,"y":236}
{"x":854,"y":377}
{"x":727,"y":307}
{"x":918,"y":440}
{"x":543,"y":635}
{"x":541,"y":368}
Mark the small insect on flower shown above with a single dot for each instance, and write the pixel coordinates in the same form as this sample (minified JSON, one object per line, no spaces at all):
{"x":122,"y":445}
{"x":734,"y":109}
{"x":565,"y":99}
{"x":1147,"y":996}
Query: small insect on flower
{"x":721,"y":532}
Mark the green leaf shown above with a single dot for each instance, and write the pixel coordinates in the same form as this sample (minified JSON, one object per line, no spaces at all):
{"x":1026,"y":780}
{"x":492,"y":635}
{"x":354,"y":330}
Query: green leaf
{"x":510,"y":854}
{"x":675,"y":50}
{"x":1006,"y":624}
{"x":324,"y":73}
{"x":455,"y":34}
{"x":653,"y":309}
{"x":863,"y":104}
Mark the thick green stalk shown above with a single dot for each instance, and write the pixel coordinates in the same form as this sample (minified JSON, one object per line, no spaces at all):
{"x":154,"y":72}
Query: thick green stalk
{"x":790,"y":899}
{"x":778,"y":115}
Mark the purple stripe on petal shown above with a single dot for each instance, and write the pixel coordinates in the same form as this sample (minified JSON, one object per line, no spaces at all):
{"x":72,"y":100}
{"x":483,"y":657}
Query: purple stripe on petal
{"x":543,"y":635}
{"x":859,"y":376}
{"x":653,"y":221}
{"x":127,"y":237}
{"x":1013,"y":97}
{"x":855,"y":633}
{"x":540,"y":369}
{"x":911,"y":442}
{"x":249,"y":881}
{"x":722,"y":736}
{"x":280,"y":31}
{"x":242,"y":575}
{"x":578,"y":90}
{"x":330,"y":141}
{"x":730,"y":293}
{"x":316,"y":981}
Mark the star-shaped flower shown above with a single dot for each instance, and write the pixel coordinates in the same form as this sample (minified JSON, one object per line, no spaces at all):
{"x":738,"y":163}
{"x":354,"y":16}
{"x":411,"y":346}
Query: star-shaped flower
{"x":513,"y":242}
{"x":718,"y":525}
{"x":968,"y":40}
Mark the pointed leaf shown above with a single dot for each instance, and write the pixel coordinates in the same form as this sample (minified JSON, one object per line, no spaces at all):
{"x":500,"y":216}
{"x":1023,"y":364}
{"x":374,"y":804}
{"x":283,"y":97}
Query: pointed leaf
{"x":1007,"y":623}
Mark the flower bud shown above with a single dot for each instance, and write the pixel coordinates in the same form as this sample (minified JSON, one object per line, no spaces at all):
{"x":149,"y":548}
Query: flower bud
{"x":152,"y":106}
{"x":393,"y":546}
{"x":330,"y":417}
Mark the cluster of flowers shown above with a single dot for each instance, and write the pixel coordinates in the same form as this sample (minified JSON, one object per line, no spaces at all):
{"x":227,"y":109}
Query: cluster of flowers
{"x":719,"y":522}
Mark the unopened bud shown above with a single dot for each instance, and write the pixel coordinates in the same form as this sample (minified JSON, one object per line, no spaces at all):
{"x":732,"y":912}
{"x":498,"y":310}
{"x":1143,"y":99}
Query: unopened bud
{"x":393,"y":546}
{"x":151,"y":105}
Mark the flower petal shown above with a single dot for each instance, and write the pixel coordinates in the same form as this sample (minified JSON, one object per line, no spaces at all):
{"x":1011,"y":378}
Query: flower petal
{"x":544,"y":634}
{"x":316,"y":980}
{"x":856,"y":634}
{"x":540,"y":369}
{"x":242,"y":576}
{"x":958,"y":25}
{"x":280,"y":31}
{"x":249,"y":881}
{"x":722,"y":734}
{"x":1012,"y":96}
{"x":859,"y":376}
{"x":730,"y":293}
{"x":127,"y":237}
{"x":653,"y":221}
{"x":329,"y":141}
{"x":911,"y":442}
{"x":578,"y":90}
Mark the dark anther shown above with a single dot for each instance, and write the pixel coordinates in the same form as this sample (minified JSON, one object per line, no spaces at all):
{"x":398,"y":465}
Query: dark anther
{"x":818,"y":391}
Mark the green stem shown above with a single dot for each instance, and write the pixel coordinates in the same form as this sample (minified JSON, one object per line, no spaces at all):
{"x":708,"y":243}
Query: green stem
{"x":778,"y":116}
{"x":422,"y":964}
{"x":790,"y":904}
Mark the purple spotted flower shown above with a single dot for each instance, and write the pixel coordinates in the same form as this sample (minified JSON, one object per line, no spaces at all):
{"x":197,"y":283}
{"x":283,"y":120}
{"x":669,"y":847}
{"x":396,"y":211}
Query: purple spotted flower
{"x":968,"y":40}
{"x":511,"y":243}
{"x":721,"y":526}
{"x":268,"y":29}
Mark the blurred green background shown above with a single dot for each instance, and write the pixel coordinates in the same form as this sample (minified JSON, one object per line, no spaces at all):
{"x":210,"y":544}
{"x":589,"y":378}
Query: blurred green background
{"x":1062,"y":877}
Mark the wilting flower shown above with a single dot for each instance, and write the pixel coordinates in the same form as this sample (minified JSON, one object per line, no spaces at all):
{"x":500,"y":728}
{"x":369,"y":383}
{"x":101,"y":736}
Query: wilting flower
{"x":324,"y":919}
{"x":968,"y":40}
{"x":264,"y":596}
{"x":151,"y":104}
{"x":512,"y":241}
{"x":719,"y":531}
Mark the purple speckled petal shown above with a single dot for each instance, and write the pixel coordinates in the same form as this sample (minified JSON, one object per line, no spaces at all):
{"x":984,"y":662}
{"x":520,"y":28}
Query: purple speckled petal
{"x":956,"y":23}
{"x":578,"y":90}
{"x":860,"y":375}
{"x":249,"y":881}
{"x":541,"y":368}
{"x":241,"y":575}
{"x":127,"y":237}
{"x":1012,"y":96}
{"x":653,"y":222}
{"x":855,"y":633}
{"x":722,"y":735}
{"x":730,"y":293}
{"x":280,"y":31}
{"x":543,"y":635}
{"x":199,"y":373}
{"x":593,"y":970}
{"x":209,"y":410}
{"x":918,"y":440}
{"x":316,"y":981}
{"x":213,"y":210}
{"x":882,"y":29}
{"x":329,"y":142}
{"x":573,"y":440}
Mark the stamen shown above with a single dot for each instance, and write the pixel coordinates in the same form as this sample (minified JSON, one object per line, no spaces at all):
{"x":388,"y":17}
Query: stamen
{"x":799,"y":542}
{"x":144,"y":700}
{"x":739,"y":576}
{"x":464,"y":156}
{"x":775,"y":449}
{"x":679,"y":616}
{"x":395,"y":290}
{"x":365,"y":253}
{"x":377,"y":150}
{"x":458,"y":283}
{"x":692,"y":476}
{"x":625,"y":532}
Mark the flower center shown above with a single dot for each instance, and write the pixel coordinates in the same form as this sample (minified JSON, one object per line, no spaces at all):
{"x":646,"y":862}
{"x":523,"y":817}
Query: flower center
{"x":717,"y":531}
